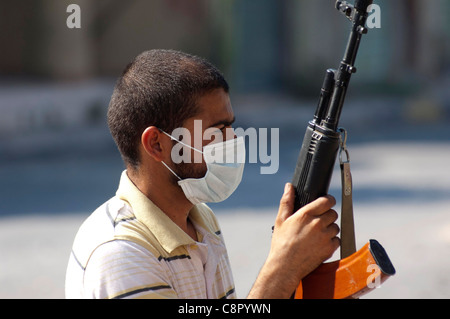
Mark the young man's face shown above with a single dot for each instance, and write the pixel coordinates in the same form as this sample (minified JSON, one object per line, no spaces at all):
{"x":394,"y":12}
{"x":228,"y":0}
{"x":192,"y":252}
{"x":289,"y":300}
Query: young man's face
{"x":211,"y":125}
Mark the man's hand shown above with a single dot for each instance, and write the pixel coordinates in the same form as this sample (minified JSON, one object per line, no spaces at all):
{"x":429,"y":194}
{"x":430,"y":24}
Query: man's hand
{"x":300,"y":243}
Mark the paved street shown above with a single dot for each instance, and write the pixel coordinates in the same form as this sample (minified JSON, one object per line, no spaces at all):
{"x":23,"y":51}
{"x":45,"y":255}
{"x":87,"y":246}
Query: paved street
{"x":400,"y":173}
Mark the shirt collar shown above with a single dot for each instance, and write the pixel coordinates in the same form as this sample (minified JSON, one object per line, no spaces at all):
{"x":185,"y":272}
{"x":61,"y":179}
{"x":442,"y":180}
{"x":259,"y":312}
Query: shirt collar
{"x":169,"y":235}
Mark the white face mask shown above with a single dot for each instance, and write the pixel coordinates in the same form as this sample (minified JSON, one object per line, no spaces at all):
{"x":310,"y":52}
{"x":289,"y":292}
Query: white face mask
{"x":225,"y":166}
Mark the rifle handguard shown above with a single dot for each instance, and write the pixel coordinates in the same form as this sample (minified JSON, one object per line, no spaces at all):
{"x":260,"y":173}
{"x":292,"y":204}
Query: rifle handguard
{"x":351,"y":277}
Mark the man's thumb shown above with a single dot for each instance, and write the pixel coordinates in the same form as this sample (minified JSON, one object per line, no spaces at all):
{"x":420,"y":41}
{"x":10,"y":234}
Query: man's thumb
{"x":286,"y":203}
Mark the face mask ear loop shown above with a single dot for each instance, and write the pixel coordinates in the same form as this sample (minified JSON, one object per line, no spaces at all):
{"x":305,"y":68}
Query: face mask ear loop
{"x":171,"y":170}
{"x":174,"y":139}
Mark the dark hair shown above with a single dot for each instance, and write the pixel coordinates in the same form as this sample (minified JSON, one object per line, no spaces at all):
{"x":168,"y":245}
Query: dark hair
{"x":159,"y":88}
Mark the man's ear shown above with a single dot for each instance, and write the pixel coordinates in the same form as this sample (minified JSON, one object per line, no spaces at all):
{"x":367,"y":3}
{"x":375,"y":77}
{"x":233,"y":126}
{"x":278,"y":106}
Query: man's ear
{"x":153,"y":144}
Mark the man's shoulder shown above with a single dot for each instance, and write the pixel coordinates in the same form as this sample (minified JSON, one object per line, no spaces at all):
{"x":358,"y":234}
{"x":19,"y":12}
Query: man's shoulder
{"x":99,"y":227}
{"x":103,"y":219}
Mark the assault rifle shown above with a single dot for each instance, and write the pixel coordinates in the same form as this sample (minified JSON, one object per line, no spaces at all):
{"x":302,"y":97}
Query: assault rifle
{"x":357,"y":271}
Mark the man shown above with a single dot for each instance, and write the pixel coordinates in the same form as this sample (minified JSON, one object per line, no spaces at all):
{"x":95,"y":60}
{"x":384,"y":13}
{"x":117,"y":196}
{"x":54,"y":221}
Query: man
{"x":156,"y":238}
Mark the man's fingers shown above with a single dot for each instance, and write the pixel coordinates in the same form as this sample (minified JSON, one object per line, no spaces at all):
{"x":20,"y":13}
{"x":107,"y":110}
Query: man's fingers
{"x":333,"y":229}
{"x":329,"y":217}
{"x":320,"y":205}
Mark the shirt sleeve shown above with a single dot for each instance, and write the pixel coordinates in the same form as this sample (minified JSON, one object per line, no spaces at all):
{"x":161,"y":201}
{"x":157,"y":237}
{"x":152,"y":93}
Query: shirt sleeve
{"x":122,"y":269}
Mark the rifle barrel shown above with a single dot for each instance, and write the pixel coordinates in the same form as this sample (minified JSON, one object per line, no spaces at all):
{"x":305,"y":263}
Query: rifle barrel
{"x":347,"y":68}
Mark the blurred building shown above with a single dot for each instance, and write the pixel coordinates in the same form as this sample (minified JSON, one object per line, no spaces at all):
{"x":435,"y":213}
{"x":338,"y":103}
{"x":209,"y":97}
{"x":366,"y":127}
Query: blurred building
{"x":261,"y":45}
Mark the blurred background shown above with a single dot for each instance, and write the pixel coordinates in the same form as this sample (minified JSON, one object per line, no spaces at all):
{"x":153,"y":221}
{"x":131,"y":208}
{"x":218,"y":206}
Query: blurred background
{"x":58,"y":161}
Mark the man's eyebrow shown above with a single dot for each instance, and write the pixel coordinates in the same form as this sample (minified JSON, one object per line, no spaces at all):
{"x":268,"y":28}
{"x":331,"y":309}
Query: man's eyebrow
{"x":224,"y":122}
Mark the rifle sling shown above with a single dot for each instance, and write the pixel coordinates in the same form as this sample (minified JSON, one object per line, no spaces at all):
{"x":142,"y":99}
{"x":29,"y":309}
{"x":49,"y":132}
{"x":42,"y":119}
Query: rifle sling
{"x":348,"y":245}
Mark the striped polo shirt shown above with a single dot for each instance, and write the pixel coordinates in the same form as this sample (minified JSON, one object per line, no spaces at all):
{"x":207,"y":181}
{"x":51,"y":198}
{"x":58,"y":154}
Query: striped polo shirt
{"x":128,"y":248}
